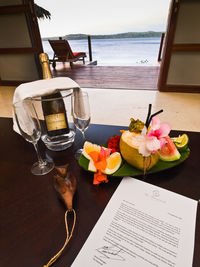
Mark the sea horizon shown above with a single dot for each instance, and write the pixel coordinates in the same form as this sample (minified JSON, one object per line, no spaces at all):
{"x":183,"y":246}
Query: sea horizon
{"x":83,"y":36}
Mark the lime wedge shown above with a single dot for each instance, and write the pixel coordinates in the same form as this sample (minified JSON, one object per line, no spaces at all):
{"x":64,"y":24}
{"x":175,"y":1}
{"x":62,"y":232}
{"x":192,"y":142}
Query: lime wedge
{"x":181,"y":142}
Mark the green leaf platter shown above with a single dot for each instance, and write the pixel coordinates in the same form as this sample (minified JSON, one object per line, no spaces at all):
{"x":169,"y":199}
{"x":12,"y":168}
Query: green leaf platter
{"x":128,"y":170}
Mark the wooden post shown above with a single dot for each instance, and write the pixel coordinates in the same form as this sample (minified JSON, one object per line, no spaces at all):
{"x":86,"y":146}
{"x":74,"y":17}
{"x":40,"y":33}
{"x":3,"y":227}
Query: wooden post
{"x":90,"y":48}
{"x":161,"y":46}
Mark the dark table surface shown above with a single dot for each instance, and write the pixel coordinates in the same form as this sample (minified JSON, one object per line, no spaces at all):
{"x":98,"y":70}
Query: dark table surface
{"x":32,"y":226}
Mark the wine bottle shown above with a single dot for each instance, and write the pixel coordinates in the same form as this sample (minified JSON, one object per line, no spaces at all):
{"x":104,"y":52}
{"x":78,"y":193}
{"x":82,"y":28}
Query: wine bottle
{"x":53,"y":105}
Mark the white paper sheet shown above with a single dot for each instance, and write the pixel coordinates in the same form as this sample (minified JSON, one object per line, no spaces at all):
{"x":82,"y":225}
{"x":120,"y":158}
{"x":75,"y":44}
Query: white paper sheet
{"x":142,"y":226}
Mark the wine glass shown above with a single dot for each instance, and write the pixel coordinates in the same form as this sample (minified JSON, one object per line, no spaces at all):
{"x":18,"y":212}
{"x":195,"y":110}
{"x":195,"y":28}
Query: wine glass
{"x":81,"y":114}
{"x":29,"y":127}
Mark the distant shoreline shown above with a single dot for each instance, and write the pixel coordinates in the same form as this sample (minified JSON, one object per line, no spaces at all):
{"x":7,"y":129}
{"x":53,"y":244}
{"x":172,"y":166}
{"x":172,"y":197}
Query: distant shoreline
{"x":149,"y":34}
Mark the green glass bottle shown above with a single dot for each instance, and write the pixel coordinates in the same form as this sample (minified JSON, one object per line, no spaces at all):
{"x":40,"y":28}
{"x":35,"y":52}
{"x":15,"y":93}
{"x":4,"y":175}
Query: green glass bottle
{"x":53,"y":105}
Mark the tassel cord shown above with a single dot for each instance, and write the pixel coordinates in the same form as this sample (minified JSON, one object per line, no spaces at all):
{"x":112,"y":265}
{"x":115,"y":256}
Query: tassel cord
{"x":68,"y":237}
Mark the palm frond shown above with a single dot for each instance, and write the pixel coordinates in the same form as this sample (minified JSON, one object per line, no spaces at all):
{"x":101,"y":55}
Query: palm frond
{"x":42,"y":13}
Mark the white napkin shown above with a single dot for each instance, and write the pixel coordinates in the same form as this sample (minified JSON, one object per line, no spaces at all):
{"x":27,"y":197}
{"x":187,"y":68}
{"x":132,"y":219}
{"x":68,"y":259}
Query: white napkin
{"x":41,"y":88}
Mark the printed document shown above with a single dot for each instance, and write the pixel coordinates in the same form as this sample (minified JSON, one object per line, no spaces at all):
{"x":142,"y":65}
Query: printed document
{"x":143,"y":226}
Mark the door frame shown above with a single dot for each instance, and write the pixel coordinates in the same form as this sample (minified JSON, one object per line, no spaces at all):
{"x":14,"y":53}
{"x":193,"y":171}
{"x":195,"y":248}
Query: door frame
{"x":169,"y":47}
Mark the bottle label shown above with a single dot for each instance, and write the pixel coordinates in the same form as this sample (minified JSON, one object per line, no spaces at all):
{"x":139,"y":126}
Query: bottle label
{"x":55,"y":122}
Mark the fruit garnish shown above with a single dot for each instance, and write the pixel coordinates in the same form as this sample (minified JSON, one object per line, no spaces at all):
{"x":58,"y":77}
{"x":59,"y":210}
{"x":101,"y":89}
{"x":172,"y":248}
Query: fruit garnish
{"x":101,"y":162}
{"x":108,"y":166}
{"x":181,"y":142}
{"x":89,"y":147}
{"x":169,"y":152}
{"x":136,"y":126}
{"x":113,"y":163}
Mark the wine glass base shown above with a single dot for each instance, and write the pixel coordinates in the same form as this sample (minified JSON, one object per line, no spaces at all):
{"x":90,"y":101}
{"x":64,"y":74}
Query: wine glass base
{"x":78,"y":153}
{"x":42,"y":168}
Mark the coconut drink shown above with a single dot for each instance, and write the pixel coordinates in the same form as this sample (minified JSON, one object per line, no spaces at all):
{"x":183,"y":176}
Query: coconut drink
{"x":129,"y":148}
{"x":140,"y":146}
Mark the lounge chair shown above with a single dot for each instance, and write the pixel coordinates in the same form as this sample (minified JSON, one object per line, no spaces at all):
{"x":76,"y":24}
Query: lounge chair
{"x":63,"y":53}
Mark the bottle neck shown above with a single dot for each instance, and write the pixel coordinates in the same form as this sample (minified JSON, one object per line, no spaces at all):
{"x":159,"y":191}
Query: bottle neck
{"x":44,"y":60}
{"x":46,"y":70}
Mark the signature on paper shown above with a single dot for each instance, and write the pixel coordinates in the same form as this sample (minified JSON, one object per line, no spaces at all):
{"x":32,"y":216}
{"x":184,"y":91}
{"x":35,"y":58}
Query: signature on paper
{"x":111,"y":252}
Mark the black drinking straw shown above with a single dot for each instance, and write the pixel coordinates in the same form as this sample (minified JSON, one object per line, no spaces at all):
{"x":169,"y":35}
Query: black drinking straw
{"x":153,"y":115}
{"x":149,"y":114}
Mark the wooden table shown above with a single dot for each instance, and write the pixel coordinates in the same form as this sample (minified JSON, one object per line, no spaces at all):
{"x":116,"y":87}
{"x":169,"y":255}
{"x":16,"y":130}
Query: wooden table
{"x":32,"y":216}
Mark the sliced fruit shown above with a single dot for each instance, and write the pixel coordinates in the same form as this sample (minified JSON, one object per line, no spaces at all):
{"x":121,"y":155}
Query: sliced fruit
{"x":101,"y":162}
{"x":108,"y":166}
{"x":129,"y":150}
{"x":181,"y":142}
{"x":88,"y":148}
{"x":169,"y":152}
{"x":91,"y":166}
{"x":113,"y":163}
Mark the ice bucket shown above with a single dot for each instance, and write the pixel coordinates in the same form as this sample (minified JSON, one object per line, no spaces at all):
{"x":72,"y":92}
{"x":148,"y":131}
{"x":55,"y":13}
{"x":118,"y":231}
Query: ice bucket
{"x":57,"y":126}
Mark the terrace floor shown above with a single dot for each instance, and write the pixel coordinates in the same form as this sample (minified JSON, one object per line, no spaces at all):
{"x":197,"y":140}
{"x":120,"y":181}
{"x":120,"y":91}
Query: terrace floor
{"x":117,"y":77}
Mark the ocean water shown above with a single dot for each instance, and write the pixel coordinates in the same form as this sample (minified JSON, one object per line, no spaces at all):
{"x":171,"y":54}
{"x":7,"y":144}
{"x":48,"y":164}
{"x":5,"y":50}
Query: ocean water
{"x":117,"y":52}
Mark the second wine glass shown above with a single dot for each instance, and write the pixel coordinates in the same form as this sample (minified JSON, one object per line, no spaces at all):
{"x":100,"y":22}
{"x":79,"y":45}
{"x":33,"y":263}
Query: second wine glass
{"x":81,"y":114}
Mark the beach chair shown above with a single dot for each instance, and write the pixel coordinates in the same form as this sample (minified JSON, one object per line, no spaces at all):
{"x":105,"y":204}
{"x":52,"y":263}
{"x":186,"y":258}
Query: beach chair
{"x":63,"y":53}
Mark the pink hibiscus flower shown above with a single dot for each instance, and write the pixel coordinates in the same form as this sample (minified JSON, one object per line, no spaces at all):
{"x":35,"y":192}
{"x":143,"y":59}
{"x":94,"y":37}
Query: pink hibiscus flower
{"x":158,"y":131}
{"x":155,"y":139}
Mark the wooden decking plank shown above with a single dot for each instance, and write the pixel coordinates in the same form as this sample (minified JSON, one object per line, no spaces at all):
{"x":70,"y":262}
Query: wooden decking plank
{"x":122,"y":77}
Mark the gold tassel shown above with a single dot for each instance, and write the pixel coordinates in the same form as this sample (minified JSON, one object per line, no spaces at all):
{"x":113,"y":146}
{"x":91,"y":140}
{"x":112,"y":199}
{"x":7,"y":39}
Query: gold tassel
{"x":54,"y":258}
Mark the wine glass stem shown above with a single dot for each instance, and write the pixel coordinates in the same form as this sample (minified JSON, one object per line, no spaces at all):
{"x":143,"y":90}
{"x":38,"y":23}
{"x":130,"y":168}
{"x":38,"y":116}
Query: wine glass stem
{"x":38,"y":153}
{"x":83,"y":133}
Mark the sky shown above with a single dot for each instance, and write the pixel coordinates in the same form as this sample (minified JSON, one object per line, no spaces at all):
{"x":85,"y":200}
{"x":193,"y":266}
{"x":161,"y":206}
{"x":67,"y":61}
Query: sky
{"x":103,"y":16}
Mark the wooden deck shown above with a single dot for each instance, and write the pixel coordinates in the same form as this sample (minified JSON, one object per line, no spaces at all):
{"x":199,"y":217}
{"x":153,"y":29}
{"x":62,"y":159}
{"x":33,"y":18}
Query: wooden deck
{"x":121,"y":77}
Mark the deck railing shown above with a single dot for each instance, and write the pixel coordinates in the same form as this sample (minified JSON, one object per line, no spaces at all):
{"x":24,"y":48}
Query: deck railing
{"x":89,"y":48}
{"x":161,"y":47}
